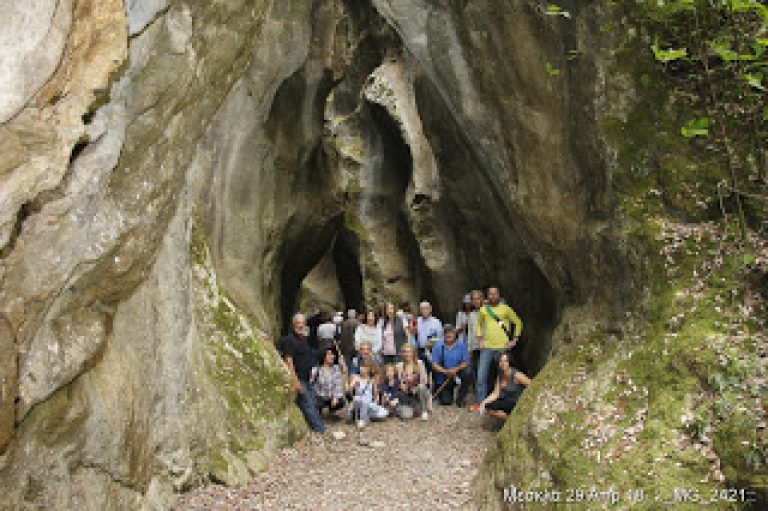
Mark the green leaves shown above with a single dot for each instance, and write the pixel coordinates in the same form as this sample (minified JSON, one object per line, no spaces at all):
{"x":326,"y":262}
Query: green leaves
{"x":556,"y":10}
{"x":698,"y":127}
{"x":667,"y":55}
{"x":551,"y":70}
{"x":724,"y":51}
{"x":755,"y":80}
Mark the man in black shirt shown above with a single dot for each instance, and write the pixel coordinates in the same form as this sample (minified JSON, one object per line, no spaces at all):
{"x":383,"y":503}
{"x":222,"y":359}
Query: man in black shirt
{"x":297,"y":356}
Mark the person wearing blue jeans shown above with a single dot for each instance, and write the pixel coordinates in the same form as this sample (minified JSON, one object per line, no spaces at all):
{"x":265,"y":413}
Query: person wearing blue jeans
{"x":498,"y":329}
{"x":429,"y":332}
{"x":296,"y":353}
{"x":489,"y":357}
{"x":307,"y":403}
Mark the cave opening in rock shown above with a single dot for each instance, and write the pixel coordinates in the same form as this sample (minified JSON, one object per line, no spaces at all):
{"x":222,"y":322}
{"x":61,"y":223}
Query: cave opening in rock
{"x":346,"y":256}
{"x":385,"y":244}
{"x":490,"y":248}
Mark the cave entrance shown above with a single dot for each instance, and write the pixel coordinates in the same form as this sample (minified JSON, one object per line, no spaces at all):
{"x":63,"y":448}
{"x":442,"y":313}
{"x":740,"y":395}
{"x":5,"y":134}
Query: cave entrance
{"x":335,"y":283}
{"x":346,"y":257}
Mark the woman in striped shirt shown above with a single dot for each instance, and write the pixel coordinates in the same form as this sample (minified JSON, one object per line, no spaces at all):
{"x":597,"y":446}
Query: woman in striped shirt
{"x":328,"y":382}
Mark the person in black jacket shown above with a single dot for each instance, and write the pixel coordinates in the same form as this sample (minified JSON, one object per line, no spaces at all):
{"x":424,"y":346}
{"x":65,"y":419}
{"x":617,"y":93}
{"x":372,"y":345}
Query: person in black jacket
{"x":296,"y":353}
{"x":389,"y":389}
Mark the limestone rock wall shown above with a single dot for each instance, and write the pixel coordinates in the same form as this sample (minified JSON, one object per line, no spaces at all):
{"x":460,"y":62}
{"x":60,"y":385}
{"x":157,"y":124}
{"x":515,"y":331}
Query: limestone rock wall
{"x":115,"y":389}
{"x":171,"y":171}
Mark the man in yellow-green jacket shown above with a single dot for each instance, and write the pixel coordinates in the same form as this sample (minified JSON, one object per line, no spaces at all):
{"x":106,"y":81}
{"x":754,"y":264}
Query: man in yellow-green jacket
{"x":498,"y":329}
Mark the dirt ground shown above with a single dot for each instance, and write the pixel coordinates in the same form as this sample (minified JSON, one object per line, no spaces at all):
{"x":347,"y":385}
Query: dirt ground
{"x":393,"y":464}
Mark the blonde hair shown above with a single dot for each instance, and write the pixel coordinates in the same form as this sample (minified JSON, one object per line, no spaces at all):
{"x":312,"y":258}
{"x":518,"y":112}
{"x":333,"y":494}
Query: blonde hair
{"x":408,"y":346}
{"x":373,"y":368}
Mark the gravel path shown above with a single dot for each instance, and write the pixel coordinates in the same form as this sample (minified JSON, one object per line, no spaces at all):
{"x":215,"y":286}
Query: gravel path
{"x":421,"y":465}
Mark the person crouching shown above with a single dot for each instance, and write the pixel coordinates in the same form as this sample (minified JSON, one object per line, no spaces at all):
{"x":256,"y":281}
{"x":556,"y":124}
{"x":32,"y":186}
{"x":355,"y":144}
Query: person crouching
{"x":389,"y":389}
{"x":451,"y":366}
{"x":363,"y":387}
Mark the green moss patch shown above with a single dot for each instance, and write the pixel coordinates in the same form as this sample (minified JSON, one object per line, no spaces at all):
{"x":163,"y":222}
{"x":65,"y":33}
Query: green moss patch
{"x":246,"y":371}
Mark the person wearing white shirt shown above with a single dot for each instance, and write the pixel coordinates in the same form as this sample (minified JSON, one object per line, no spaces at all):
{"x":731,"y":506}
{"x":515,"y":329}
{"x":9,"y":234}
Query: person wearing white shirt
{"x":370,"y":332}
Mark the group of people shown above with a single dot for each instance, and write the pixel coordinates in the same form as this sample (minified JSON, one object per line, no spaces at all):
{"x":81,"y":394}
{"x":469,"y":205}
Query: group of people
{"x":390,"y":363}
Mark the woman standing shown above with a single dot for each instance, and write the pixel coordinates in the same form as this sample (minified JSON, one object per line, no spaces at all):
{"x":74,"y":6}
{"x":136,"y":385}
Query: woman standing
{"x":462,"y":319}
{"x":394,"y":333}
{"x":369,"y":332}
{"x":413,"y":384}
{"x":509,"y":385}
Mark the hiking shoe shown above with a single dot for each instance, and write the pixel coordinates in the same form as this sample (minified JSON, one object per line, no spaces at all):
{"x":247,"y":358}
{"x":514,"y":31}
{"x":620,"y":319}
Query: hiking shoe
{"x":424,"y":416}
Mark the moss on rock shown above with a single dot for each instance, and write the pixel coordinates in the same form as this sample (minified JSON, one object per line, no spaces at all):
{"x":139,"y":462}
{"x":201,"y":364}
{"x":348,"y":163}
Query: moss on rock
{"x":246,"y":371}
{"x":674,"y":404}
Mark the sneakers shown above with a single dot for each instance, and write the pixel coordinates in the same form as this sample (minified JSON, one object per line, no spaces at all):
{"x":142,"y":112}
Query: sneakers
{"x":424,"y":416}
{"x":360,"y":424}
{"x":460,"y":402}
{"x":475,"y":407}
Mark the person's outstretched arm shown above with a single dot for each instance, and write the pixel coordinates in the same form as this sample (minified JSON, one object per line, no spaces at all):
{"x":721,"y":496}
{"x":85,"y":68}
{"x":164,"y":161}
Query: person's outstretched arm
{"x":493,"y":396}
{"x":522,"y":379}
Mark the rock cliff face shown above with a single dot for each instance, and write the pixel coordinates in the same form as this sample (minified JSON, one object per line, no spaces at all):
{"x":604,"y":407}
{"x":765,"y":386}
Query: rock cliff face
{"x":127,"y":370}
{"x":177,"y":177}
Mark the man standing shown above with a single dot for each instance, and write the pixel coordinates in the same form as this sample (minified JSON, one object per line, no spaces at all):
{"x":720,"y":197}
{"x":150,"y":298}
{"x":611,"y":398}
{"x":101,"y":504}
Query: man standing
{"x":295,"y":351}
{"x":347,"y":342}
{"x":477,"y":298}
{"x":429,"y":332}
{"x":450,"y":359}
{"x":498,"y":329}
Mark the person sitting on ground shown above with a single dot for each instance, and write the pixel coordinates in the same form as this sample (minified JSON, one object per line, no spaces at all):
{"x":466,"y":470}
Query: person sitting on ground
{"x":450,"y":360}
{"x":414,"y":394}
{"x":498,"y":329}
{"x":509,"y":385}
{"x":369,"y":332}
{"x":365,"y":356}
{"x":394,"y":333}
{"x":294,"y":349}
{"x":389,"y":389}
{"x":328,"y":382}
{"x":363,"y":388}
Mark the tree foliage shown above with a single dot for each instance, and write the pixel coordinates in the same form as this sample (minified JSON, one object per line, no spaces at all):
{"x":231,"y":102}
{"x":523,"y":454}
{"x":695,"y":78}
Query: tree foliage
{"x":712,"y":57}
